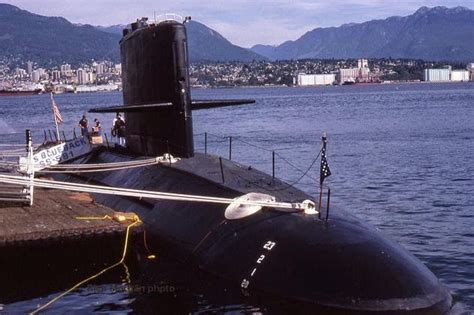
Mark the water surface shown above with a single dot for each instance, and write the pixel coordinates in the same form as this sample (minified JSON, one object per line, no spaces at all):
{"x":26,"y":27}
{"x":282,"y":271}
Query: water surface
{"x":401,"y":158}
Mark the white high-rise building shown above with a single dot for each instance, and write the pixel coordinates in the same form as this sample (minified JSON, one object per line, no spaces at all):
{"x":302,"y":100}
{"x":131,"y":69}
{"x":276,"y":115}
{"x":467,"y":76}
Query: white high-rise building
{"x":19,"y":72}
{"x":118,"y":69}
{"x":99,"y":68}
{"x":36,"y":76}
{"x":66,"y":70}
{"x":56,"y":76}
{"x":29,"y":67}
{"x":82,"y":77}
{"x":362,"y":63}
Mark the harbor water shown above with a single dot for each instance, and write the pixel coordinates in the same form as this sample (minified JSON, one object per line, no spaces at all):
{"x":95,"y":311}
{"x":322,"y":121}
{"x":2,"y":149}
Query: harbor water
{"x":401,"y":157}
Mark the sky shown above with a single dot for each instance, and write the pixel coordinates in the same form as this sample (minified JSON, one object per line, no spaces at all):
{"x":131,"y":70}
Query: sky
{"x":243,"y":22}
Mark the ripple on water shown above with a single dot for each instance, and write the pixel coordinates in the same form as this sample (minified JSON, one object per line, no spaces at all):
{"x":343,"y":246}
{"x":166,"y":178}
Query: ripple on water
{"x":391,"y":161}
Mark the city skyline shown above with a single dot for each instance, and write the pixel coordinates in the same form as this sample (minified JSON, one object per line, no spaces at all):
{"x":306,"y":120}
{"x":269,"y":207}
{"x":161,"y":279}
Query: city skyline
{"x":243,"y":22}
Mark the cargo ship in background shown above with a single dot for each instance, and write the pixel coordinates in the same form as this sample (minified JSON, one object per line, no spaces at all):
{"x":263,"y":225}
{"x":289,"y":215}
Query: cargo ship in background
{"x":336,"y":265}
{"x":20,"y":92}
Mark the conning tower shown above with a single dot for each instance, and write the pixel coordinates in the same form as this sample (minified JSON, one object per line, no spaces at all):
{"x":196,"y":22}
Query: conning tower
{"x":155,"y":70}
{"x":156,"y":90}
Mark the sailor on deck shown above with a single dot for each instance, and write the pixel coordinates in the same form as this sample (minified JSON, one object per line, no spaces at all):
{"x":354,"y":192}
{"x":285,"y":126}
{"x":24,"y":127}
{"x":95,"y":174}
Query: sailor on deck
{"x":83,"y":124}
{"x":118,"y":129}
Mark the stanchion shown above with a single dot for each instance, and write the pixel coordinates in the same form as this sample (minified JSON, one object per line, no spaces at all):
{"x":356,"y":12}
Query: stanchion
{"x":106,"y":139}
{"x":327,"y":206}
{"x":273,"y":165}
{"x":30,"y":168}
{"x":222,"y":169}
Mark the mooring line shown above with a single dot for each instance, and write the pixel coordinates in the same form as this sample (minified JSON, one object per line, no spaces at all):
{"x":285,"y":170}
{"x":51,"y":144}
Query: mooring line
{"x":146,"y":194}
{"x":79,"y":284}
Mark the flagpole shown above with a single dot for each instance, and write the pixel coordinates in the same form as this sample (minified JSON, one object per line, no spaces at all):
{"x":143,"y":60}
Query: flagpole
{"x":323,"y":146}
{"x":323,"y":173}
{"x":55,"y":119}
{"x":320,"y":199}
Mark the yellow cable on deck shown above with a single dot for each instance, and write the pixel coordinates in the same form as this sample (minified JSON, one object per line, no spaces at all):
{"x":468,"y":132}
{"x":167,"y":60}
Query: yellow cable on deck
{"x":105,"y":217}
{"x":127,"y":234}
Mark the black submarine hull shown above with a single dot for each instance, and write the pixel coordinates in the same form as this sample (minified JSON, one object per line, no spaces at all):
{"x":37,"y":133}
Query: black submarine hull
{"x":343,"y":265}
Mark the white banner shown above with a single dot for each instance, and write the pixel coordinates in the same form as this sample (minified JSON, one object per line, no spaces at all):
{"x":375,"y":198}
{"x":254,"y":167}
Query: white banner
{"x":58,"y":154}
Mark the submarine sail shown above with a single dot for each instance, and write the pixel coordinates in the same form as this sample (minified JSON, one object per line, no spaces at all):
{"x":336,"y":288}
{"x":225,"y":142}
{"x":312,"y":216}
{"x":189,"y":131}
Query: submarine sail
{"x":340,"y":266}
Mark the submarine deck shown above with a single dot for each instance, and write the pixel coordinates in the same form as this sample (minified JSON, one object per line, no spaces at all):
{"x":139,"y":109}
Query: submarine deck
{"x":239,"y":177}
{"x":232,"y":175}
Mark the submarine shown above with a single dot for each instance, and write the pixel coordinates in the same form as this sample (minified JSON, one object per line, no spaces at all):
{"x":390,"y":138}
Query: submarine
{"x":338,"y":265}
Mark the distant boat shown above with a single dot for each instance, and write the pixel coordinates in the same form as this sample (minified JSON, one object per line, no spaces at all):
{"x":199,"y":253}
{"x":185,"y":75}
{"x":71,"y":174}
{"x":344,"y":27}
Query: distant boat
{"x":13,"y":92}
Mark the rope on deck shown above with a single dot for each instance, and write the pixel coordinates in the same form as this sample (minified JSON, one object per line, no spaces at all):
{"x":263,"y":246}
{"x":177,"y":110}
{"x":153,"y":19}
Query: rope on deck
{"x":89,"y":168}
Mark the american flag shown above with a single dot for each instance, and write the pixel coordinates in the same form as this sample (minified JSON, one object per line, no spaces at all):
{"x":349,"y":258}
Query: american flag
{"x":325,"y":171}
{"x":57,"y":115}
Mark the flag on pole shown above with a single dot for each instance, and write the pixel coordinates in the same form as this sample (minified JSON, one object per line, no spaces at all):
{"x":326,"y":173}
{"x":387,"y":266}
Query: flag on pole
{"x":325,"y":171}
{"x":57,"y":115}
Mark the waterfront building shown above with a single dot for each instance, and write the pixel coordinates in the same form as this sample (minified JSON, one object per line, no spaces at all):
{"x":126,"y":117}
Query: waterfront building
{"x":56,"y":76}
{"x":315,"y":79}
{"x":470,"y":68}
{"x":82,"y":77}
{"x":66,"y":70}
{"x":29,"y":67}
{"x":460,"y":75}
{"x":348,"y":75}
{"x":118,"y":69}
{"x":19,"y":72}
{"x":99,"y":68}
{"x":437,"y":75}
{"x":41,"y":72}
{"x":362,"y":63}
{"x":36,"y":76}
{"x":359,"y":74}
{"x":90,"y":77}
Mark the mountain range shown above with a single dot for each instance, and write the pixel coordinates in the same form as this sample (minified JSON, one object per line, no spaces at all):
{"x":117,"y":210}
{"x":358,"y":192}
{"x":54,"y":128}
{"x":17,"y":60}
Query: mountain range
{"x":430,"y":33}
{"x":437,"y":33}
{"x":54,"y":40}
{"x":205,"y":44}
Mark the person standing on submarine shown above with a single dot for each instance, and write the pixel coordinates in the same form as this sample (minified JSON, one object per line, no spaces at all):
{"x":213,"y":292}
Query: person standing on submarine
{"x":118,"y":129}
{"x":83,"y":124}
